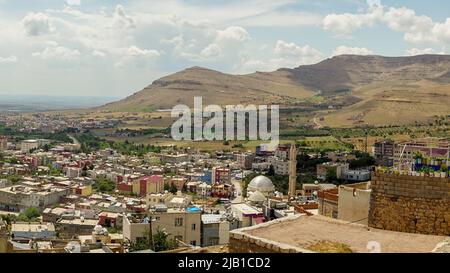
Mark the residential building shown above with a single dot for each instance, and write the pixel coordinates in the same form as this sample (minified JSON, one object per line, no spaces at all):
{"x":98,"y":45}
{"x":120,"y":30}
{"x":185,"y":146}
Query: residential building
{"x":215,"y":229}
{"x":247,"y":215}
{"x":3,"y":143}
{"x":357,"y":175}
{"x":69,"y":228}
{"x":309,"y":188}
{"x":339,"y":168}
{"x":354,"y":202}
{"x":328,"y":202}
{"x":221,"y":175}
{"x":181,"y":224}
{"x":383,"y":152}
{"x":245,"y":160}
{"x":18,"y":198}
{"x":33,"y":230}
{"x":174,"y":158}
{"x":404,"y":152}
{"x":148,"y":184}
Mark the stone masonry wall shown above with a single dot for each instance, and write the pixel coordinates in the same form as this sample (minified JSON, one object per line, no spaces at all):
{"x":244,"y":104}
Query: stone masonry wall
{"x":410,"y":203}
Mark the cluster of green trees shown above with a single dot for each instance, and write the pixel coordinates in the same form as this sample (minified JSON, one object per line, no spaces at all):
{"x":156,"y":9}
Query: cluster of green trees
{"x":104,"y":185}
{"x":362,"y":160}
{"x":28,"y":215}
{"x":157,"y":242}
{"x":171,"y":188}
{"x":90,"y":142}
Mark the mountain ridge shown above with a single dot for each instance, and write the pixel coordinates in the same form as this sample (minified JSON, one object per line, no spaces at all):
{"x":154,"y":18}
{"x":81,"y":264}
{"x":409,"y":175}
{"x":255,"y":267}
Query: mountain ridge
{"x":366,"y":78}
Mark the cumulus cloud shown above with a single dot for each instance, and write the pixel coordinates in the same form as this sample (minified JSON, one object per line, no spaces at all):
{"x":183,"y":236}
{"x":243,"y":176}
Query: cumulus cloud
{"x":233,"y":33}
{"x":416,"y":28}
{"x":136,"y":55}
{"x":302,"y":55}
{"x":9,"y":60}
{"x":284,"y":55}
{"x":36,"y":24}
{"x":341,"y":50}
{"x":347,"y":22}
{"x":121,"y":19}
{"x":55,"y":51}
{"x":212,"y":50}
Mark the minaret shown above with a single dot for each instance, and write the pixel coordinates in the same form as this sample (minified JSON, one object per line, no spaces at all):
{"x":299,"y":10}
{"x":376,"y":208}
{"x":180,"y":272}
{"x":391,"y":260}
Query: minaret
{"x":292,"y":172}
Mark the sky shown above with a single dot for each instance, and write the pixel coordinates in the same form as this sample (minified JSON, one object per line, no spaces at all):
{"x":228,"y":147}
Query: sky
{"x":116,"y":48}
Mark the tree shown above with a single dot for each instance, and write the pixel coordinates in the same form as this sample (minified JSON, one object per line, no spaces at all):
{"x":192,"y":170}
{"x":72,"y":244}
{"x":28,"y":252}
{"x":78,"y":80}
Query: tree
{"x":162,"y":241}
{"x":173,"y":189}
{"x":104,"y":185}
{"x":331,"y":175}
{"x":29,"y":214}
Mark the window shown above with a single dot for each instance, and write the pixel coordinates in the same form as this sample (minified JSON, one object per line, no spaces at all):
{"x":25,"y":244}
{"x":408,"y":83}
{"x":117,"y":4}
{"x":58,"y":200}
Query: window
{"x":193,"y":226}
{"x":178,"y":222}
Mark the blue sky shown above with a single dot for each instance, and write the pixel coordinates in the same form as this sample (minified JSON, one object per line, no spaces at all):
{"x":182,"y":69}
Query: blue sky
{"x":114,"y":48}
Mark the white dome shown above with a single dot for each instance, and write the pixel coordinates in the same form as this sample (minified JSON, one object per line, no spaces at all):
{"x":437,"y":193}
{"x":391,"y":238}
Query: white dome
{"x":257,"y":197}
{"x":262,"y":184}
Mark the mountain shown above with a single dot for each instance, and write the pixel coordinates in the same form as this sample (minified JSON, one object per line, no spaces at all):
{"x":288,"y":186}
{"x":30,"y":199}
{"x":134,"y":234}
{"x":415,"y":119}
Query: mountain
{"x":215,"y":88}
{"x":379,"y":89}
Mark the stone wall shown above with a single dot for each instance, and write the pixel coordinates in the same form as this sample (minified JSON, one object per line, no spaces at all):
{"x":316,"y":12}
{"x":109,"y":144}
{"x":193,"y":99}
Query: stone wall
{"x":411,"y":203}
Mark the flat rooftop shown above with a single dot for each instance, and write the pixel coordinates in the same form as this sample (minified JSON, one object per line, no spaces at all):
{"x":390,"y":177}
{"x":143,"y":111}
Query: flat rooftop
{"x":302,"y":231}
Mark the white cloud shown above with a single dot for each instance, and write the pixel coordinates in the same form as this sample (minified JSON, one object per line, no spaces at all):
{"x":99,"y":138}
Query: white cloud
{"x":73,"y":2}
{"x":341,"y":50}
{"x":55,"y":51}
{"x":36,"y":24}
{"x":302,"y":55}
{"x":233,"y":33}
{"x":134,"y":55}
{"x":212,"y":50}
{"x":422,"y":51}
{"x":285,"y":55}
{"x":121,"y":19}
{"x":347,"y":22}
{"x":416,"y":28}
{"x":9,"y":60}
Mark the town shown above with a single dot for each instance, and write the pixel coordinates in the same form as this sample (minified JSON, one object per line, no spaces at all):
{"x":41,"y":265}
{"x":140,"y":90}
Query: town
{"x":63,"y":192}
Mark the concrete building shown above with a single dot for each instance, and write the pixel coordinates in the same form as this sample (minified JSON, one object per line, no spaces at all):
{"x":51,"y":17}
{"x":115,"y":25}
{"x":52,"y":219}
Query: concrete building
{"x":148,"y":184}
{"x":383,"y":152}
{"x":280,"y":166}
{"x":404,"y":152}
{"x":181,"y":224}
{"x":247,"y":215}
{"x":357,"y":175}
{"x":174,"y":158}
{"x":221,"y":175}
{"x":3,"y":143}
{"x":17,"y":198}
{"x":69,"y":228}
{"x":73,"y":172}
{"x":215,"y":229}
{"x":30,"y":144}
{"x":33,"y":230}
{"x":338,"y":167}
{"x":245,"y":160}
{"x":309,"y":188}
{"x":354,"y":202}
{"x":328,"y":202}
